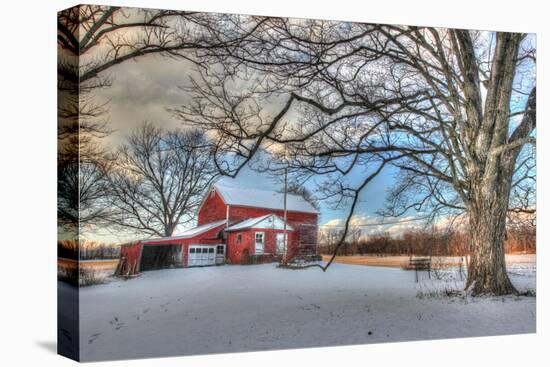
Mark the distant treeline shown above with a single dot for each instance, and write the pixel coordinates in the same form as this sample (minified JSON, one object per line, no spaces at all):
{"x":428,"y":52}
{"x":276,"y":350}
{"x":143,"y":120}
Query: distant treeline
{"x":426,"y":242}
{"x":89,"y":250}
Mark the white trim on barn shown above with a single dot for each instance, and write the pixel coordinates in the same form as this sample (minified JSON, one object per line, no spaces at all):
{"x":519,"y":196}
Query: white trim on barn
{"x":189,"y":233}
{"x":206,"y":255}
{"x":259,"y":245}
{"x":201,"y":255}
{"x":269,"y":221}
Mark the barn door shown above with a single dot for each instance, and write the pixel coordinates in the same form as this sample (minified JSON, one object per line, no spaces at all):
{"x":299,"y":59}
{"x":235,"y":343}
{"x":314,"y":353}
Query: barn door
{"x":280,"y":249}
{"x":211,"y":259}
{"x":220,"y":254}
{"x":202,"y":255}
{"x":192,"y":261}
{"x":259,"y":243}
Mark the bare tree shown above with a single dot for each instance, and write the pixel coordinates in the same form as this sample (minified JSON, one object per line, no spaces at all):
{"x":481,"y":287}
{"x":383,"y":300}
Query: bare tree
{"x":295,"y":188}
{"x":91,"y":40}
{"x":159,"y":180}
{"x":451,"y":109}
{"x":83,"y":168}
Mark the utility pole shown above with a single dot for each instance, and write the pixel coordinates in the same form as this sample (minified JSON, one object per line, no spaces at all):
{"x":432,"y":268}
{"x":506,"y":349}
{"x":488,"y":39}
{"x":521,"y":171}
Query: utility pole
{"x":285,"y":245}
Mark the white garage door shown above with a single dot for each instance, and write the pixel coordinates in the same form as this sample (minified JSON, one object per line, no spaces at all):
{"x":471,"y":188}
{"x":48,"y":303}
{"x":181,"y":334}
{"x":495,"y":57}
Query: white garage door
{"x":202,"y":255}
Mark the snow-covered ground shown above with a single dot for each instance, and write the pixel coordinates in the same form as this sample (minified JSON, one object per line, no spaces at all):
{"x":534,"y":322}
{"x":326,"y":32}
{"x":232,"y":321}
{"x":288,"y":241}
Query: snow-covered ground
{"x":260,"y":307}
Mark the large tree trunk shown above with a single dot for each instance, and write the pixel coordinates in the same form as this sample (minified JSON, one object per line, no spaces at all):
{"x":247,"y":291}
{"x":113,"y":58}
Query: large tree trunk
{"x":487,"y":218}
{"x":487,"y":268}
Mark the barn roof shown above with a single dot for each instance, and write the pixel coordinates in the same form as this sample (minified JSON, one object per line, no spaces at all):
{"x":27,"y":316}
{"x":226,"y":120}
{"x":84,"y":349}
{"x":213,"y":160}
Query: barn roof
{"x":253,"y":222}
{"x":263,"y":199}
{"x":200,"y":229}
{"x":190,"y":233}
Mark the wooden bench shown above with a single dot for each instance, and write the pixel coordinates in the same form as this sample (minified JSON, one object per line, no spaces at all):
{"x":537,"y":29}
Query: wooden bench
{"x":419,"y":264}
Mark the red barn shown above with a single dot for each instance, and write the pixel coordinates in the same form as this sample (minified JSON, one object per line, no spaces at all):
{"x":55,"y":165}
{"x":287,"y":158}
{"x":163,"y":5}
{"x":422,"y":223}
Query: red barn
{"x":235,"y":225}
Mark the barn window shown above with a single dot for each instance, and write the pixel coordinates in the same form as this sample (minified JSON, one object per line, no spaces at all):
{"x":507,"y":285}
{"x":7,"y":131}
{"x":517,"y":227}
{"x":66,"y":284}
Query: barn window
{"x":211,"y":250}
{"x":212,"y":193}
{"x":259,"y":245}
{"x":239,"y":239}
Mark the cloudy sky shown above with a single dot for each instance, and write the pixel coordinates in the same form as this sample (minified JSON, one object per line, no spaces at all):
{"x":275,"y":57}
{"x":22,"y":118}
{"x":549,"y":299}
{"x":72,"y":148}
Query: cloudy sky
{"x":143,"y":89}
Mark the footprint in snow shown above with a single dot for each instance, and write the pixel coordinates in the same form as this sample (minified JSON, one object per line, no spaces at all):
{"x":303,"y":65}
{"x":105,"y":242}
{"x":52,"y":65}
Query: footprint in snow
{"x":118,"y":324}
{"x":93,"y":337}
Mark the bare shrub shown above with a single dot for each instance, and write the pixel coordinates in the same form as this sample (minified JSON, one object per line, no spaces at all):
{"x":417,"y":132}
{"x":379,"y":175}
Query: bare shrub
{"x":439,"y":269}
{"x":91,"y":277}
{"x":445,"y":292}
{"x":67,"y":249}
{"x":67,"y":274}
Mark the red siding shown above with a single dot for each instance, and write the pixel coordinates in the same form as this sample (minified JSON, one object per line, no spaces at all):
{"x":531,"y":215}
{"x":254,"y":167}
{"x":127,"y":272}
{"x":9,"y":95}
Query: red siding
{"x":235,"y":251}
{"x":129,"y":258}
{"x":213,"y":209}
{"x":131,"y":252}
{"x":295,"y":219}
{"x":242,"y":212}
{"x":209,"y":237}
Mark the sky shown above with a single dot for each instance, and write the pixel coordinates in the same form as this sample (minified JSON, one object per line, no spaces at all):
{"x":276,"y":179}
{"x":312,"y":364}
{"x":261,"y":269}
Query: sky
{"x":143,"y":89}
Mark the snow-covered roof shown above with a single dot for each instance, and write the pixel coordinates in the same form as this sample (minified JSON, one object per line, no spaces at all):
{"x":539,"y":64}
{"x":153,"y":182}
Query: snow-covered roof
{"x":263,"y":199}
{"x":200,"y":229}
{"x":191,"y":232}
{"x":265,"y":221}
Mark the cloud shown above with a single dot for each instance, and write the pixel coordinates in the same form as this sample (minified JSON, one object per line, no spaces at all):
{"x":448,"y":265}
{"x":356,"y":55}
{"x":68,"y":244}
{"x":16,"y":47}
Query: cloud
{"x":372,"y":225}
{"x":142,"y":90}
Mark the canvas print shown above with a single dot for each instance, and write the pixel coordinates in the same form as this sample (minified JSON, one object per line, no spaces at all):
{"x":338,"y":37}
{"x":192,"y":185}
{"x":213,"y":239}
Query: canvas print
{"x":233,"y":183}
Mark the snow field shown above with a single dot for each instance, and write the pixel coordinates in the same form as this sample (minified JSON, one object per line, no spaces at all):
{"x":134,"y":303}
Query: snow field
{"x":262,"y":307}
